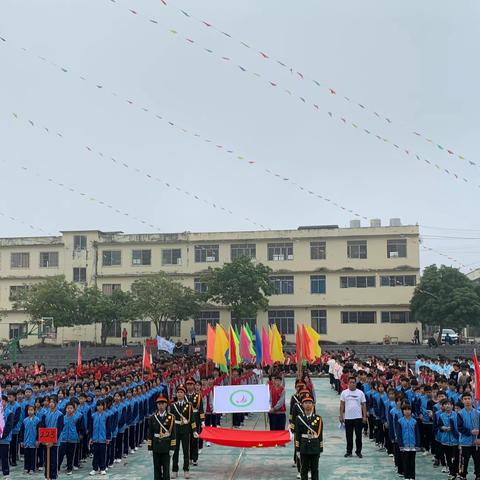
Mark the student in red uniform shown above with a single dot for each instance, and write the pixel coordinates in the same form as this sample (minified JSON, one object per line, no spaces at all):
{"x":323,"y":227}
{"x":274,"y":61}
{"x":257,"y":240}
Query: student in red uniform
{"x":277,"y":415}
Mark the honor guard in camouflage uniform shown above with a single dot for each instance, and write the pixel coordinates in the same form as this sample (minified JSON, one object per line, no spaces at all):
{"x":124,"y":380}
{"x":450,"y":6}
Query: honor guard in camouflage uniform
{"x":161,"y":439}
{"x":182,"y":410}
{"x":198,"y":415}
{"x":308,"y":439}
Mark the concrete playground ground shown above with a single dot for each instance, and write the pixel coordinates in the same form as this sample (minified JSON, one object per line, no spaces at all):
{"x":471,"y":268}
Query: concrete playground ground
{"x":223,"y":463}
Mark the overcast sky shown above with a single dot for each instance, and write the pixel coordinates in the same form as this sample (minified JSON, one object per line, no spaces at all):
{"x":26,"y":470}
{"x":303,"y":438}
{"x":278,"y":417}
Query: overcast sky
{"x":414,"y":62}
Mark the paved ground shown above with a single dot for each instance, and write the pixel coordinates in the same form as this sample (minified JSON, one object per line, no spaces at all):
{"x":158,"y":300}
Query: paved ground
{"x":223,"y":463}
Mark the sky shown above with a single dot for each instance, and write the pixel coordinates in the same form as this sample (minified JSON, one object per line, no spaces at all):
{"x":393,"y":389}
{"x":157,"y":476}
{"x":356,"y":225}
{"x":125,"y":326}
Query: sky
{"x":411,"y":62}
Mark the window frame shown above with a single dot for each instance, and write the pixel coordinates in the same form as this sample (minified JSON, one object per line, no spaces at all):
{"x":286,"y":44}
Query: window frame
{"x":22,"y":327}
{"x":55,"y":254}
{"x":142,"y":253}
{"x":79,"y":270}
{"x":282,"y":318}
{"x":318,"y":280}
{"x":252,"y":322}
{"x":204,"y":318}
{"x":116,"y":328}
{"x":79,"y":242}
{"x":20,"y":255}
{"x":394,"y":280}
{"x":249,"y":251}
{"x":110,"y":252}
{"x":200,"y":286}
{"x":386,"y":317}
{"x":169,"y":252}
{"x":283,"y":284}
{"x":351,"y":281}
{"x":113,"y":287}
{"x":13,"y":298}
{"x":315,"y":319}
{"x":141,"y":325}
{"x":201,"y":253}
{"x":400,"y":244}
{"x":356,"y":246}
{"x":321,"y":245}
{"x":353,"y":317}
{"x":280,"y":249}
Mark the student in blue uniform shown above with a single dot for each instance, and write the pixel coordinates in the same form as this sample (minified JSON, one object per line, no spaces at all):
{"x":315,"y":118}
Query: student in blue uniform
{"x":468,"y":421}
{"x":29,"y":439}
{"x":100,"y":438}
{"x":8,"y":416}
{"x":17,"y":423}
{"x":53,"y":419}
{"x":407,"y":434}
{"x":69,"y":437}
{"x":121,"y":408}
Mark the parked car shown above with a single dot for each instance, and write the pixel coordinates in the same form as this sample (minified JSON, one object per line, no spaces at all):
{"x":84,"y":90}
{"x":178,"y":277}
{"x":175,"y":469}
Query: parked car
{"x":453,"y":335}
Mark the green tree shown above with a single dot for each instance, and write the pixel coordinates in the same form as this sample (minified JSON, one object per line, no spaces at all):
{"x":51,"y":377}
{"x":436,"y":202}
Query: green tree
{"x":242,"y":286}
{"x":160,"y":299}
{"x":445,"y":297}
{"x":53,"y":297}
{"x":95,"y":306}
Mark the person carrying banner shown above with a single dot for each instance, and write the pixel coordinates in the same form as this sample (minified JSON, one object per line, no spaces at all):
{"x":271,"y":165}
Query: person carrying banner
{"x":276,"y":415}
{"x":308,"y":439}
{"x":161,"y":439}
{"x":182,"y":410}
{"x":53,"y":418}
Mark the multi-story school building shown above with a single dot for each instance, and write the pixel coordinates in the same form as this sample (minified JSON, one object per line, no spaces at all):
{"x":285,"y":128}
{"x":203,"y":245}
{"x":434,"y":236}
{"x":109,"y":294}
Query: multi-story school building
{"x":348,"y":283}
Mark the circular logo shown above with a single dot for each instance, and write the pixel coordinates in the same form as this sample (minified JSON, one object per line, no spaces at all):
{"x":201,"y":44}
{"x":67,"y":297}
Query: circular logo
{"x":241,"y":398}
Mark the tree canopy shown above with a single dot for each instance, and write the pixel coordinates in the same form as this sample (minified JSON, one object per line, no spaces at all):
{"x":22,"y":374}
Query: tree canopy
{"x":161,"y":299}
{"x":242,"y":286}
{"x":445,"y":297}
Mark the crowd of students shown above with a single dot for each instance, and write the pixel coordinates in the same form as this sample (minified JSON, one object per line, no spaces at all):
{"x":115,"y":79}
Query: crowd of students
{"x":428,"y":407}
{"x":100,"y":414}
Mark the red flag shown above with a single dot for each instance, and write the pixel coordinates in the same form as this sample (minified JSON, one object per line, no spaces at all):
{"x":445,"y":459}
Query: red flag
{"x":79,"y":359}
{"x":147,"y":364}
{"x":477,"y":375}
{"x":37,"y":370}
{"x":233,"y":350}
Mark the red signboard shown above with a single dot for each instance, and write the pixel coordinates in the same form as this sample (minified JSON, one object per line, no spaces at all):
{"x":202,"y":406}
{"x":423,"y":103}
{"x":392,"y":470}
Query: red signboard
{"x":47,"y":435}
{"x":151,"y":343}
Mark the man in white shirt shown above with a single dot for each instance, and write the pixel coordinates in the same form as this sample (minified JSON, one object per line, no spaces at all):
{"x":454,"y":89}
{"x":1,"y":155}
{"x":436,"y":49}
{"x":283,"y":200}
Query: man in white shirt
{"x":353,"y":414}
{"x":331,"y":364}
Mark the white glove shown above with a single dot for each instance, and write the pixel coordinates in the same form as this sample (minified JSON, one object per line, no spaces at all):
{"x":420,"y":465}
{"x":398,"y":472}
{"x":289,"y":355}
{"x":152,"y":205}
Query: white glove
{"x":195,"y":434}
{"x":203,"y":424}
{"x":292,"y":436}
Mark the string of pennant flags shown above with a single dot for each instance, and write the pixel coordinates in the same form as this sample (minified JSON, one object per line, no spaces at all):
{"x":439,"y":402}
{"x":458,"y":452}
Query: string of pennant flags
{"x":83,"y":195}
{"x":267,"y":57}
{"x":122,"y":164}
{"x":102,"y":87}
{"x":21,"y":222}
{"x":315,"y":105}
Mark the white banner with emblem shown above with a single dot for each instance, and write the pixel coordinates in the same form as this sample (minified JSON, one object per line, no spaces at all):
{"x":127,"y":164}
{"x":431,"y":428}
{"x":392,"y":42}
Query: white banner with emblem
{"x":241,"y":399}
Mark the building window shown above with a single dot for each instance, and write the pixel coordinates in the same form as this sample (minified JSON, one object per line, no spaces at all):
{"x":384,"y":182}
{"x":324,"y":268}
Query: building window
{"x":111,"y":258}
{"x":397,"y":317}
{"x":79,"y":242}
{"x":359,"y":317}
{"x":282,"y":285}
{"x":200,"y":286}
{"x":284,"y":320}
{"x":239,"y":250}
{"x":80,"y":275}
{"x":206,"y":253}
{"x":251,"y":322}
{"x":398,"y":280}
{"x":205,"y":318}
{"x":109,"y":288}
{"x":16,"y":330}
{"x":16,"y":291}
{"x":318,"y":250}
{"x":172,"y":256}
{"x":317,"y":284}
{"x":114,"y":329}
{"x":141,"y":328}
{"x":172,"y":329}
{"x":141,"y":257}
{"x":319,"y":321}
{"x":397,"y":248}
{"x":280,"y":251}
{"x":20,"y":260}
{"x":357,"y":282}
{"x":357,"y":249}
{"x":48,"y":259}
